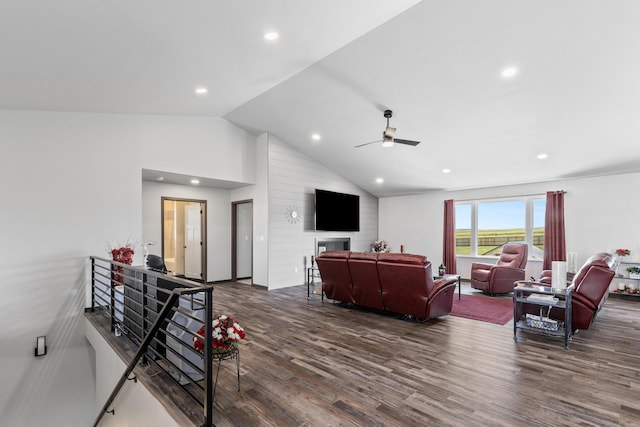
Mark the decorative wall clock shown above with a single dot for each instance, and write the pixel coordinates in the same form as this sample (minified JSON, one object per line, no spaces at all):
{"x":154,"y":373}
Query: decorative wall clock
{"x":292,"y":214}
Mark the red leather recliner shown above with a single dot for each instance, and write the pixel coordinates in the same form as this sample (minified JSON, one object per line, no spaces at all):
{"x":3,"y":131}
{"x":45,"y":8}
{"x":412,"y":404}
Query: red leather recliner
{"x":591,"y":290}
{"x":336,"y":278}
{"x":408,"y":286}
{"x":500,"y":278}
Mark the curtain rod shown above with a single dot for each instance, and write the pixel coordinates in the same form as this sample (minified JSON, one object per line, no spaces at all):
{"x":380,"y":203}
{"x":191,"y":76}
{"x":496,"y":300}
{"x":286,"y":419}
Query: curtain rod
{"x":505,"y":197}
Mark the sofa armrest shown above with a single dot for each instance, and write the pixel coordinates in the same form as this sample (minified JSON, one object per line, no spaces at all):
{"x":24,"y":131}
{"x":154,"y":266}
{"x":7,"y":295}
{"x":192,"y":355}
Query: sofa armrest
{"x":481,"y":266}
{"x":443,"y":283}
{"x":545,"y":276}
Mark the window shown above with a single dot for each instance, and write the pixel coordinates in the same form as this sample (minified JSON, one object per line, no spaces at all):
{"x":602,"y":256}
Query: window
{"x":483,"y":227}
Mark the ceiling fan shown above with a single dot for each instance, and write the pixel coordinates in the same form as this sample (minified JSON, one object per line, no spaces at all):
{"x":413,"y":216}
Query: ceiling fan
{"x":388,"y":135}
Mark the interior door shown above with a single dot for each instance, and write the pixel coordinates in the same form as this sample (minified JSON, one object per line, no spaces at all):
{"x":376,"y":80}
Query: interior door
{"x":192,"y":241}
{"x":244,"y":240}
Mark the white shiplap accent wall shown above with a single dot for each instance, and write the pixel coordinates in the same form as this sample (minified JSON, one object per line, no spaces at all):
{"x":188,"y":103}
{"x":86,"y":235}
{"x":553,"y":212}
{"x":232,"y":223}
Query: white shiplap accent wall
{"x":293,"y":178}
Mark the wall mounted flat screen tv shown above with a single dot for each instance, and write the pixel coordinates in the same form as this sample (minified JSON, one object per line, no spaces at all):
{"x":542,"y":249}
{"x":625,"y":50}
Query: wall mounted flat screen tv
{"x":337,"y":211}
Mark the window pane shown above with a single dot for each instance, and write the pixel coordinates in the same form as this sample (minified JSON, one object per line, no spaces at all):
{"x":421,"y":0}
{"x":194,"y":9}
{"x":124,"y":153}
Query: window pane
{"x":539,"y":209}
{"x":499,"y":223}
{"x":463,"y":229}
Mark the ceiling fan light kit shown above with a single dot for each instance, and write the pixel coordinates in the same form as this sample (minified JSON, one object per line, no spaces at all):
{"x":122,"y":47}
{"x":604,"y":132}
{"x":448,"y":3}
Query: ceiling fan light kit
{"x":387,"y":142}
{"x":388,"y":135}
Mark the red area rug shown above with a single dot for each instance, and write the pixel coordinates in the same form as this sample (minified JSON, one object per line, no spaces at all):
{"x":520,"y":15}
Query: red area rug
{"x":483,"y":308}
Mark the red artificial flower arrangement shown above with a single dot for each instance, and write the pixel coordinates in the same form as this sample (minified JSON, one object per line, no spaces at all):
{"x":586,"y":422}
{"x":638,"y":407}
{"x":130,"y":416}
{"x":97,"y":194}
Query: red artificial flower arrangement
{"x":623,"y":252}
{"x":225,"y":334}
{"x":123,"y":254}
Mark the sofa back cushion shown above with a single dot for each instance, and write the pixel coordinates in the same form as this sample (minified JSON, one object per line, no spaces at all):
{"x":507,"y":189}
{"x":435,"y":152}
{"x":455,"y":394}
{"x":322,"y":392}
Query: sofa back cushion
{"x":336,"y":279}
{"x":601,"y":259}
{"x":594,"y":277}
{"x":514,"y":255}
{"x":409,"y":259}
{"x":406,"y":282}
{"x":366,"y":282}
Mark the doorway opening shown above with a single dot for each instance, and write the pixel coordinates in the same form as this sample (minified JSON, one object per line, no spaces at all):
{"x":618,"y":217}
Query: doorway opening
{"x":242,"y":241}
{"x":184,"y":237}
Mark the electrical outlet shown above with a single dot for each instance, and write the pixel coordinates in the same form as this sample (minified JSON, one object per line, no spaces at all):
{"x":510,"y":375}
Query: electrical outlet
{"x":296,"y":269}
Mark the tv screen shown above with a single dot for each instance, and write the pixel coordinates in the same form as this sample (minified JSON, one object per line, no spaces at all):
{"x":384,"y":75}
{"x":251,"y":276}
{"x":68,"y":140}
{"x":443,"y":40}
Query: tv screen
{"x":337,"y":211}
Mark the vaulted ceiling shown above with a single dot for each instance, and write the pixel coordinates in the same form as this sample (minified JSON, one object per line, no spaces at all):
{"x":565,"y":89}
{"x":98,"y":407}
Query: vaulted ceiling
{"x":337,"y":65}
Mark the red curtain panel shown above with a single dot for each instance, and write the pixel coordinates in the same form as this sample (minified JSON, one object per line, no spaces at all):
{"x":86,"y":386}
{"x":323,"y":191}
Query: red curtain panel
{"x":554,"y":238}
{"x":449,"y":234}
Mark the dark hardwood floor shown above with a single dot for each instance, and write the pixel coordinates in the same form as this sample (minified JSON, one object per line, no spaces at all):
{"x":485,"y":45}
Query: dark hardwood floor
{"x":308,"y":363}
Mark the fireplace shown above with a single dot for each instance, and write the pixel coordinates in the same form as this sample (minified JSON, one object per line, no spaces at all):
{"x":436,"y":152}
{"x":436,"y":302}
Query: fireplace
{"x":332,"y":244}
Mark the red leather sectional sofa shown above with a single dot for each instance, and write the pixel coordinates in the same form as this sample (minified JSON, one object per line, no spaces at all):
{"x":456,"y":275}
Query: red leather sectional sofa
{"x":399,"y":283}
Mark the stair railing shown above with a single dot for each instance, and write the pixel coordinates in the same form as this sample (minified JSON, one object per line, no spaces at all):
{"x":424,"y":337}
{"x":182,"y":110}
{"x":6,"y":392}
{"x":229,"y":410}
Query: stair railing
{"x":130,"y":275}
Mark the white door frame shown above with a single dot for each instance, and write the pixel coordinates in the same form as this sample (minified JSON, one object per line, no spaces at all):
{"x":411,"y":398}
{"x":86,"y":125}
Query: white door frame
{"x":193,"y":241}
{"x":203,"y":229}
{"x":234,"y":237}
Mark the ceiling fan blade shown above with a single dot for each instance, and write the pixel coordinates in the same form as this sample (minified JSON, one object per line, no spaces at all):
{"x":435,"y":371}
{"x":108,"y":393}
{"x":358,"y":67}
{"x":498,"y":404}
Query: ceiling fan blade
{"x":368,"y":143}
{"x":406,"y":142}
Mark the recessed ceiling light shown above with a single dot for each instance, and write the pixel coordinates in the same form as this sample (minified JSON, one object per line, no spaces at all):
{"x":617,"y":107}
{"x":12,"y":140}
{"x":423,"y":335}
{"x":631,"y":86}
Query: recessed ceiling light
{"x":195,"y":181}
{"x":201,"y":90}
{"x":272,"y":35}
{"x":379,"y":180}
{"x":542,"y":156}
{"x":160,"y":178}
{"x":509,"y":72}
{"x":315,"y":137}
{"x":446,"y":170}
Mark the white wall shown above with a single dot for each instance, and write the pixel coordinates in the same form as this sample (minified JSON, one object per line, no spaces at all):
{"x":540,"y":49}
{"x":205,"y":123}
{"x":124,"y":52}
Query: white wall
{"x":135,"y":404}
{"x":218,"y":222}
{"x":259,"y":193}
{"x":600,"y":213}
{"x":293,"y":178}
{"x":71,"y":182}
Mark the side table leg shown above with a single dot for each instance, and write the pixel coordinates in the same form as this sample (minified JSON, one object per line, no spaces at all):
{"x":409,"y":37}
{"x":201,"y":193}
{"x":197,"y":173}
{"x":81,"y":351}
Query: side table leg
{"x":515,"y":314}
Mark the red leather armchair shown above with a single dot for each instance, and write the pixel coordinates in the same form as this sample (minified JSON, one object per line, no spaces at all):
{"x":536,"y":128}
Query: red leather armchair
{"x":499,"y":278}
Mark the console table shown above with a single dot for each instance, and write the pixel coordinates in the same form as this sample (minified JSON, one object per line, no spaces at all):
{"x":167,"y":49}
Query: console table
{"x":312,"y":274}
